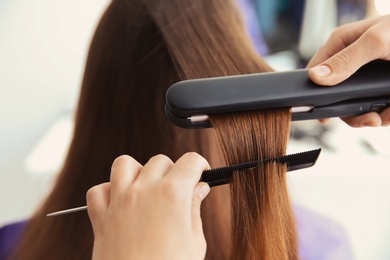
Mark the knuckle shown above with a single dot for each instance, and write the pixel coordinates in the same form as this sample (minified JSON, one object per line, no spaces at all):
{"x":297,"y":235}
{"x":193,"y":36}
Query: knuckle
{"x":172,"y":190}
{"x":379,"y":39}
{"x":135,"y":188}
{"x":121,"y":165}
{"x":91,"y":193}
{"x":122,"y":158}
{"x":336,"y":33}
{"x":195,"y":157}
{"x":134,"y":193}
{"x":339,"y":32}
{"x":192,"y":156}
{"x":161,"y":158}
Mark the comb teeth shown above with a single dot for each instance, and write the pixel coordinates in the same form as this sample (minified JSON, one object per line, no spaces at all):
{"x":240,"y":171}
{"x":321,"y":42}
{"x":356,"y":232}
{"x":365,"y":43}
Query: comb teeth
{"x":300,"y":160}
{"x":222,"y":175}
{"x":217,"y":176}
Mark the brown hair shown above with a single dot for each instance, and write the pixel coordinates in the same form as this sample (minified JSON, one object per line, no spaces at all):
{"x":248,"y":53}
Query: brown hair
{"x":263,"y":225}
{"x":139,"y":49}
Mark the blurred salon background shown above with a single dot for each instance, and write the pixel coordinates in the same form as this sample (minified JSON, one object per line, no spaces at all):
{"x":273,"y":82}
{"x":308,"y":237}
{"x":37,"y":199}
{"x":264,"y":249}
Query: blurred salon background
{"x":43,"y":46}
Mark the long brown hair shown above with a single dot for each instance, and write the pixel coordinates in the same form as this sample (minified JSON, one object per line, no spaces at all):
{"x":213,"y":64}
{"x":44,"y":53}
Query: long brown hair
{"x":263,"y":225}
{"x":139,"y":49}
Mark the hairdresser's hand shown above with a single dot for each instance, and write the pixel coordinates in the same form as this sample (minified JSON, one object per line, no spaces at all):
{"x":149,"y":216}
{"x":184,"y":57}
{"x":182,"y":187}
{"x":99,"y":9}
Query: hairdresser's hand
{"x":150,"y":212}
{"x":348,"y":48}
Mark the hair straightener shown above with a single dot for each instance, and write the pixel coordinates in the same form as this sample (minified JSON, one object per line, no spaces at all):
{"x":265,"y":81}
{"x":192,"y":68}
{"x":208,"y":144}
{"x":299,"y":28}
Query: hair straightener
{"x":190,"y":102}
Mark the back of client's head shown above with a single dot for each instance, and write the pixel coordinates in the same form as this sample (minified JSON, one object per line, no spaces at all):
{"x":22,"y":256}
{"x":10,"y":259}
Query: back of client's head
{"x":139,"y":49}
{"x":120,"y":111}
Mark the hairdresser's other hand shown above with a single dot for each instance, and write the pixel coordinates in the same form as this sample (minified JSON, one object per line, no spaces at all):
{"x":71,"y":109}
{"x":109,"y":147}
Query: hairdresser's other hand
{"x":347,"y":49}
{"x":150,"y":212}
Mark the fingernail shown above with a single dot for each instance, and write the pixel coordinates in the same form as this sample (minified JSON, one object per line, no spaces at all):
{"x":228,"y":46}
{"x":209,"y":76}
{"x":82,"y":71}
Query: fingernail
{"x":321,"y":71}
{"x":204,"y":190}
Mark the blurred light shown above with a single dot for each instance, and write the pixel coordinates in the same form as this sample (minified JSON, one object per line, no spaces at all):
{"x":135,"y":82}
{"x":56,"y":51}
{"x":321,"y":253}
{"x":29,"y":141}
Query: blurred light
{"x":382,"y":6}
{"x":48,"y":155}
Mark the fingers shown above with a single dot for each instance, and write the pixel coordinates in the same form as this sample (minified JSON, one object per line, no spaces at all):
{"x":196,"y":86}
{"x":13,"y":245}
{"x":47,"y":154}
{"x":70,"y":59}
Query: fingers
{"x":183,"y":179}
{"x":156,"y":168}
{"x":370,"y":119}
{"x":98,"y":200}
{"x":341,"y":38}
{"x":188,"y":170}
{"x":201,"y":190}
{"x":124,"y":171}
{"x":343,"y":64}
{"x":349,"y":48}
{"x":385,"y":116}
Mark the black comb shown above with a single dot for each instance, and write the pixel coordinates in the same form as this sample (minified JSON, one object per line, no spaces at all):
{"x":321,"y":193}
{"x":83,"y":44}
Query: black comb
{"x":222,"y":175}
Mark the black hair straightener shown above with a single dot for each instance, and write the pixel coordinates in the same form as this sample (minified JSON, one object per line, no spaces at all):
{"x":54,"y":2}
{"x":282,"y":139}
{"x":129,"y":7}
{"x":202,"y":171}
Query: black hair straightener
{"x":189,"y":102}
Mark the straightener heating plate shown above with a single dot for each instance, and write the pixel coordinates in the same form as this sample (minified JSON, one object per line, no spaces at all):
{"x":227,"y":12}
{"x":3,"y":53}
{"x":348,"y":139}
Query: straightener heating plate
{"x":190,"y":102}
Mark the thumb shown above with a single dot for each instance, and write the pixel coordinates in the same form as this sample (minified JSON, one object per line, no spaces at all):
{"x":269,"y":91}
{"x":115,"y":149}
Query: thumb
{"x":343,"y":64}
{"x":98,"y":200}
{"x":201,"y":190}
